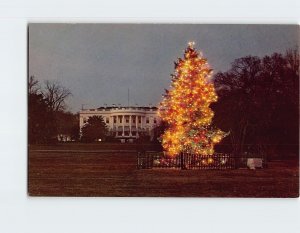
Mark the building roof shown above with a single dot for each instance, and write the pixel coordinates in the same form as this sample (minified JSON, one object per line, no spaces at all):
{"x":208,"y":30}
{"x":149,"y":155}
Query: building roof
{"x":107,"y":108}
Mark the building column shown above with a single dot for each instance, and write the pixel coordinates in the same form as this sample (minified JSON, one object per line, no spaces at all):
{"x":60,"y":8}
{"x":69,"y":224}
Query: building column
{"x":123,"y":119}
{"x":136,"y":125}
{"x":130,"y":119}
{"x":112,"y":125}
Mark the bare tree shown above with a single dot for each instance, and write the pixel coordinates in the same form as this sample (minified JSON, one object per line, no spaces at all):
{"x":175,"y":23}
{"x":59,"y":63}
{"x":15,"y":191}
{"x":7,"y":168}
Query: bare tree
{"x":55,"y":95}
{"x":292,"y":58}
{"x":33,"y":86}
{"x":258,"y":103}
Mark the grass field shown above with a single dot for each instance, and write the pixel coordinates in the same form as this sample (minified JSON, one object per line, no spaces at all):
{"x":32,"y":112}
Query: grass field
{"x":94,"y":170}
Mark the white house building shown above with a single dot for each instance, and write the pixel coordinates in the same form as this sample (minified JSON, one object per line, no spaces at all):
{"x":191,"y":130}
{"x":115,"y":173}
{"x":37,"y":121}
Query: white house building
{"x":124,"y":123}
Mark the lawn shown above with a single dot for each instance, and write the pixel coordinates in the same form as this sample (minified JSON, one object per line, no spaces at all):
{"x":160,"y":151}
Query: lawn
{"x":96,"y":170}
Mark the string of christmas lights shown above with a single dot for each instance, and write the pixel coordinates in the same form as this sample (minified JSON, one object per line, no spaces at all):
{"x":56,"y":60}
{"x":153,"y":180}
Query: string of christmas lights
{"x":185,"y":107}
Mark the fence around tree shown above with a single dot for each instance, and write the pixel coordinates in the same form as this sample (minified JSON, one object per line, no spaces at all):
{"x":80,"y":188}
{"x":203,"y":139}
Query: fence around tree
{"x":220,"y":161}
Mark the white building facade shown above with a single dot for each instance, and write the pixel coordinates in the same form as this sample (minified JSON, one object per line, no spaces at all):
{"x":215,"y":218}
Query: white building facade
{"x":124,"y":123}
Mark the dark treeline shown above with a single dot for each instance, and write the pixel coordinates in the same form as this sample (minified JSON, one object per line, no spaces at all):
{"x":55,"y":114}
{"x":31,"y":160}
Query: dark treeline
{"x":48,"y":120}
{"x":258,"y":104}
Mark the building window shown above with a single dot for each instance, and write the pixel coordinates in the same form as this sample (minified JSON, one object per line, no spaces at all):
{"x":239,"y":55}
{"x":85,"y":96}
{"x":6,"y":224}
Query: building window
{"x":127,"y":119}
{"x":133,"y":119}
{"x":120,"y":131}
{"x":147,"y":120}
{"x":154,"y":121}
{"x":114,"y":131}
{"x":115,"y":120}
{"x":120,"y":118}
{"x":140,"y":119}
{"x":107,"y":120}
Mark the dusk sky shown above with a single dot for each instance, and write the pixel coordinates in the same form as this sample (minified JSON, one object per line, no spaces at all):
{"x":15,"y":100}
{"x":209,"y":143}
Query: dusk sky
{"x":99,"y":62}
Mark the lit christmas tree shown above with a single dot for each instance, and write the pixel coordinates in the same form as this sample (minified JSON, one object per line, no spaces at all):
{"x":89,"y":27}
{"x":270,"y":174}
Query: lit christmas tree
{"x":185,"y":107}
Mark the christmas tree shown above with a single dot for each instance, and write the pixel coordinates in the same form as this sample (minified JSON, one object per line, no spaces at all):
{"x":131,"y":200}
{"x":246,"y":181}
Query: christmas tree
{"x":185,"y":107}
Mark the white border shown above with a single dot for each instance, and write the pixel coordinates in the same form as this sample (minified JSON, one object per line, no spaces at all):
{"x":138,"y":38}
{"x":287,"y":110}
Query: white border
{"x":19,"y":213}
